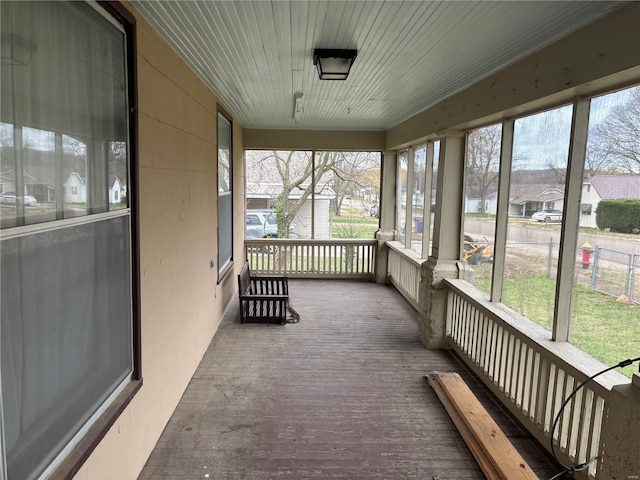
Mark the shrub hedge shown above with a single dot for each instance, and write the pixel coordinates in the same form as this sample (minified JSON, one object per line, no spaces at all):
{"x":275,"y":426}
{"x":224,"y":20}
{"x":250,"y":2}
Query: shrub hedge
{"x":619,"y":215}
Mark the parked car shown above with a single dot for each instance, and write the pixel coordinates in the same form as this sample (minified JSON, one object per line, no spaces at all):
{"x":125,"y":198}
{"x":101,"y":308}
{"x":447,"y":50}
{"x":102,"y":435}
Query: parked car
{"x":547,"y":216}
{"x":10,"y":198}
{"x":262,"y":224}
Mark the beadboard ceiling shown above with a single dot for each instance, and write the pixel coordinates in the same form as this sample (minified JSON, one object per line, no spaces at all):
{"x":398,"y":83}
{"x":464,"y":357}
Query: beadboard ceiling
{"x":256,"y":55}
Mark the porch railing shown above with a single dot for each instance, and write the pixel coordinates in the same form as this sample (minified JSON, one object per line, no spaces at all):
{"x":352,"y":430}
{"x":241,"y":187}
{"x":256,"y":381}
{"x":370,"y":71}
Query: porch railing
{"x":531,"y":374}
{"x":404,"y":271}
{"x":298,"y":258}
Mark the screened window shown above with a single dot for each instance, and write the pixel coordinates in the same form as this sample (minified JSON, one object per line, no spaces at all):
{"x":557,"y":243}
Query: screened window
{"x":403,"y":178}
{"x":66,"y":323}
{"x":322,"y":195}
{"x":538,"y":174}
{"x":481,"y":201}
{"x":605,"y":304}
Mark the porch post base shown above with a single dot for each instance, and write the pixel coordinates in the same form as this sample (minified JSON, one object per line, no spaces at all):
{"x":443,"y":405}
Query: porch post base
{"x":620,"y":442}
{"x":433,"y":299}
{"x":382,"y":254}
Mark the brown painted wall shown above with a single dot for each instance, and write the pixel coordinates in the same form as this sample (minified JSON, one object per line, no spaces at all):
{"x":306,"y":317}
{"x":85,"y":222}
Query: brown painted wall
{"x":182,"y":304}
{"x":257,"y":139}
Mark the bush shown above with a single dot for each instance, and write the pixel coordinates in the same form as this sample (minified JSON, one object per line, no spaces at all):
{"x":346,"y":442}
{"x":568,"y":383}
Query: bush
{"x":619,"y":215}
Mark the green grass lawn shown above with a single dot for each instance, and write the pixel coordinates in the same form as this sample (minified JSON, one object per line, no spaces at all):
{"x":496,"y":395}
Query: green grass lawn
{"x":600,"y":325}
{"x":354,"y":219}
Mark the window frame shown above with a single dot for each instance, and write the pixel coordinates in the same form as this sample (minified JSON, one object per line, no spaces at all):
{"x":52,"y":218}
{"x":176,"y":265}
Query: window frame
{"x":72,"y":457}
{"x":224,"y":265}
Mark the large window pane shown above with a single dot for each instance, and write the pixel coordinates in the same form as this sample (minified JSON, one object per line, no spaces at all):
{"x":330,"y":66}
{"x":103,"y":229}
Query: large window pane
{"x":329,"y":195}
{"x":66,"y":335}
{"x":66,"y":313}
{"x":225,"y":195}
{"x":353,"y":181}
{"x":280,"y":184}
{"x":419,"y":205}
{"x":481,"y":201}
{"x":403,"y":187}
{"x":605,"y":316}
{"x":68,"y":65}
{"x":540,"y":152}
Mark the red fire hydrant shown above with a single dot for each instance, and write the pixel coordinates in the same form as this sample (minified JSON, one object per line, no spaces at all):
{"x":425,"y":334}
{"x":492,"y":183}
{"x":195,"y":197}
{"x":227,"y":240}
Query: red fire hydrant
{"x":587,"y":250}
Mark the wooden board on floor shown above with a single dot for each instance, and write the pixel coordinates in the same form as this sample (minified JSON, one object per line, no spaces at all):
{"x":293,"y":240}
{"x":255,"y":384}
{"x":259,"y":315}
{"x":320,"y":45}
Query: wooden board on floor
{"x":495,"y":454}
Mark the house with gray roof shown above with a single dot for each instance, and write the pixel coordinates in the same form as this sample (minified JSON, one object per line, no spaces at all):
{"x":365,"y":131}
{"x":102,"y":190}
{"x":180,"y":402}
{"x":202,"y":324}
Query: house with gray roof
{"x":526,"y":199}
{"x":605,"y":187}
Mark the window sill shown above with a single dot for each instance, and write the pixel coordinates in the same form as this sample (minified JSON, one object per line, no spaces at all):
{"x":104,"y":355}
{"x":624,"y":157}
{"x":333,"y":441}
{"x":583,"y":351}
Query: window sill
{"x":81,"y":452}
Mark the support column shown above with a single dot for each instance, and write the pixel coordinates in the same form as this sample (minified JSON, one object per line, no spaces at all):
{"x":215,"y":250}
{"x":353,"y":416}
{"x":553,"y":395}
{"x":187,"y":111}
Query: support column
{"x":620,"y":442}
{"x":444,"y":261}
{"x":387,"y":213}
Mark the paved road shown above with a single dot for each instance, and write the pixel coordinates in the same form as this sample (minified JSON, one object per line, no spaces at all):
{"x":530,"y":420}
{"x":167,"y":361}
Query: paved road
{"x":534,"y":232}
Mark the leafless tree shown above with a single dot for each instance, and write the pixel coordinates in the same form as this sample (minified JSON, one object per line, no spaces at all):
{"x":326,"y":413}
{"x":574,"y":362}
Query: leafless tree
{"x":483,"y":161}
{"x":339,"y":172}
{"x":619,"y":134}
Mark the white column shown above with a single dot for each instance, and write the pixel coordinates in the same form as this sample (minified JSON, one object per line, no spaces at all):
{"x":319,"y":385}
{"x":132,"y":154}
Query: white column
{"x":387,"y":213}
{"x":444,"y":261}
{"x":570,"y":219}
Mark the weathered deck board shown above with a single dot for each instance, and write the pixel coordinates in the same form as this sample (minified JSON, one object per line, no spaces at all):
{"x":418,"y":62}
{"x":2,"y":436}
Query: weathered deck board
{"x":340,"y":395}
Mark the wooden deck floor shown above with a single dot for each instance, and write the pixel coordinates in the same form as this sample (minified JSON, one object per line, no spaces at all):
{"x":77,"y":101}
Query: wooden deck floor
{"x":340,"y":395}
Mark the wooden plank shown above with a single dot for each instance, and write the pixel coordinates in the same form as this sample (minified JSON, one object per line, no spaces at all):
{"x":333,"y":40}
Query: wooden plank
{"x":493,"y":451}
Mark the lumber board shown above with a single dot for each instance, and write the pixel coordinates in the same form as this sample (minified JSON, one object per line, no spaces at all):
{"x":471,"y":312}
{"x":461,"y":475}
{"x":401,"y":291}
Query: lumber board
{"x":495,"y":454}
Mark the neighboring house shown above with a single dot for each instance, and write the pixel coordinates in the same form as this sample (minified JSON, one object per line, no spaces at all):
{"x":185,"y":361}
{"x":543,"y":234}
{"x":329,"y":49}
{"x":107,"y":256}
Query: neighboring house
{"x":473,"y":201}
{"x":526,"y":199}
{"x":43,"y":192}
{"x":116,"y":189}
{"x":260,"y":197}
{"x":75,"y":189}
{"x":605,"y":187}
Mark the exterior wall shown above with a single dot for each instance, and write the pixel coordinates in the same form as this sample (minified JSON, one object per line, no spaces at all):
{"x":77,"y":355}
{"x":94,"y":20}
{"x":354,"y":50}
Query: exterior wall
{"x":259,"y":139}
{"x":114,"y":192}
{"x":589,"y":195}
{"x":182,"y":303}
{"x":472,"y":205}
{"x":80,"y":195}
{"x":303,"y":219}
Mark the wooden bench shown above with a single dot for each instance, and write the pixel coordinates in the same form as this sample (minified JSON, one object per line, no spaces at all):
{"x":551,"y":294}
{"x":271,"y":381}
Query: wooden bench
{"x":262,"y":299}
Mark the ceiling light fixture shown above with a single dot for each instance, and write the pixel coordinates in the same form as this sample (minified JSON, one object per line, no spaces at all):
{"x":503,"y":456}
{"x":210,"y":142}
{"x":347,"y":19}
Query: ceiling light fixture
{"x":333,"y":64}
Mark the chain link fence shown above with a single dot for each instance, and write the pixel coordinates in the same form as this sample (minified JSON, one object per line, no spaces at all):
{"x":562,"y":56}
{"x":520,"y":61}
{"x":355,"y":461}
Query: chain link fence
{"x":613,"y":273}
{"x":616,"y":273}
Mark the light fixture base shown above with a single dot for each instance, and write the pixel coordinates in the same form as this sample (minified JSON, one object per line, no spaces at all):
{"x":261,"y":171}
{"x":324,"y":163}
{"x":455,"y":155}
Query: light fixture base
{"x":333,"y":64}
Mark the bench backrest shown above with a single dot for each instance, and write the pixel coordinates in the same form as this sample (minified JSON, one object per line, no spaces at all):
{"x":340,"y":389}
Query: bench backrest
{"x":244,"y":280}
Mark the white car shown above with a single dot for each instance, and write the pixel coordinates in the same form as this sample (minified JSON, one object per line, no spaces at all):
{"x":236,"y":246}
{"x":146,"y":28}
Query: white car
{"x":548,"y":216}
{"x":10,"y":198}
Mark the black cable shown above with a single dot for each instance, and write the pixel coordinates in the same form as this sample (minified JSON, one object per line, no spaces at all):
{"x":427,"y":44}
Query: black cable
{"x":585,"y":465}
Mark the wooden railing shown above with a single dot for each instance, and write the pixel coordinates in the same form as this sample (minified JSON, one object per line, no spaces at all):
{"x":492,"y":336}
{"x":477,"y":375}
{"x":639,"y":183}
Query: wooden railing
{"x":404,"y":271}
{"x":531,"y":374}
{"x":298,"y":258}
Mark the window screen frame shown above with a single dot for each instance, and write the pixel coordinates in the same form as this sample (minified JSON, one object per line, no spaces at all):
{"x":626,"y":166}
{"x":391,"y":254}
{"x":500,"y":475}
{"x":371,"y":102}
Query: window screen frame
{"x":225,"y":262}
{"x":70,"y":460}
